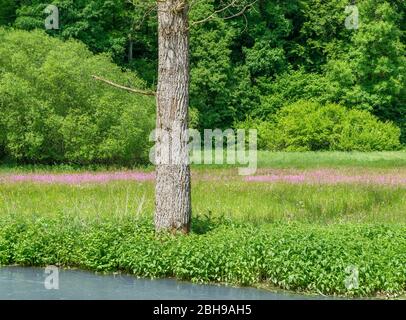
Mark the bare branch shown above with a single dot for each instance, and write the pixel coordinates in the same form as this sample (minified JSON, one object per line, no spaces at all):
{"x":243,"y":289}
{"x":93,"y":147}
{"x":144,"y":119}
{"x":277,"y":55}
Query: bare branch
{"x":242,"y":11}
{"x":148,"y":10}
{"x":229,"y":6}
{"x":137,"y":91}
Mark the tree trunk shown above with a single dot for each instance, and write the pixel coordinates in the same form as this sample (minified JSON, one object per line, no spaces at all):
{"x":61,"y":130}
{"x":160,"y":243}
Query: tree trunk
{"x":172,"y":193}
{"x":130,"y":49}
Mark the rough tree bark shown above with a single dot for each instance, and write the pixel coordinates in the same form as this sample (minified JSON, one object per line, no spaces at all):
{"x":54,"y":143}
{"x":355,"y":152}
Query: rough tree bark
{"x":172,"y":191}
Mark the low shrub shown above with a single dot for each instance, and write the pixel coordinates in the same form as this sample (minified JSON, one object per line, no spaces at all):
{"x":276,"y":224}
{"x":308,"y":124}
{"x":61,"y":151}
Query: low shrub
{"x":309,"y":126}
{"x":291,"y":256}
{"x":362,"y":131}
{"x":264,"y":130}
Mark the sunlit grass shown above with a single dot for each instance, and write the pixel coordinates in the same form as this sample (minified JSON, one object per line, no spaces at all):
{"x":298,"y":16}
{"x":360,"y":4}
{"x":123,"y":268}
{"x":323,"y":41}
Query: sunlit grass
{"x":266,"y":159}
{"x":236,"y":200}
{"x":302,"y":160}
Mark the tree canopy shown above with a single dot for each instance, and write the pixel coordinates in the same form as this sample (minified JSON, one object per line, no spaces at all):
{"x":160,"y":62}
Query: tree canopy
{"x":274,"y":54}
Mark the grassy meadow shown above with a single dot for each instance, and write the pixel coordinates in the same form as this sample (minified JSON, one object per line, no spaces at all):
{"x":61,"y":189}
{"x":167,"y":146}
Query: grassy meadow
{"x":286,"y":233}
{"x":266,"y":159}
{"x":256,"y":203}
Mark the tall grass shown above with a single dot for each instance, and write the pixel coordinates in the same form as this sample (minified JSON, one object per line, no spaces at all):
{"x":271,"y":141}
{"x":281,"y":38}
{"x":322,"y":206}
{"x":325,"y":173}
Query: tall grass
{"x":235,"y":200}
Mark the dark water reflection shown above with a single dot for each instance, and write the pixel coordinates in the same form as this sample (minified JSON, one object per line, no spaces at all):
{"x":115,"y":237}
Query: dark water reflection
{"x":28,"y":284}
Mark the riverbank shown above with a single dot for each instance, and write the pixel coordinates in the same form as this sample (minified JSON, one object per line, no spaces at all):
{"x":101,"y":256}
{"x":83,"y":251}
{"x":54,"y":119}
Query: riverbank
{"x":291,"y":256}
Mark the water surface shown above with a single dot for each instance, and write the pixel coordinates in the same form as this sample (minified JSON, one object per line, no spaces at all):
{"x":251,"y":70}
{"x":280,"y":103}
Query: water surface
{"x":29,"y":284}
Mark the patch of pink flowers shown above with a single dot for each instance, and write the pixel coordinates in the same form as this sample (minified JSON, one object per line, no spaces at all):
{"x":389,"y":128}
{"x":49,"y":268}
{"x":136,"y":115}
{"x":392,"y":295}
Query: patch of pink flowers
{"x":77,"y":178}
{"x":329,"y":177}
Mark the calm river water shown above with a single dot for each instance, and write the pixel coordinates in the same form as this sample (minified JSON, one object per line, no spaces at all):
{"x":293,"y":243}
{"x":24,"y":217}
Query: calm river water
{"x":30,"y":283}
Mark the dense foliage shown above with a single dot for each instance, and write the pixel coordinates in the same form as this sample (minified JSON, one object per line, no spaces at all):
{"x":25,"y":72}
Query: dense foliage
{"x":277,"y":53}
{"x":310,"y":126}
{"x":242,"y":70}
{"x":52,"y":110}
{"x":313,"y":259}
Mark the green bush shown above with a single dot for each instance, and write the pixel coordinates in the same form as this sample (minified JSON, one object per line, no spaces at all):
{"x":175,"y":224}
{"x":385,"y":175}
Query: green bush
{"x":362,"y":131}
{"x":291,"y":256}
{"x":52,"y":110}
{"x":264,"y":129}
{"x":309,"y":126}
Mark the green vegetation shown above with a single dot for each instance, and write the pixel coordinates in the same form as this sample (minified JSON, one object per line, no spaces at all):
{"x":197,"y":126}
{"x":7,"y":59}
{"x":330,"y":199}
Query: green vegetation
{"x":300,"y":237}
{"x":309,"y":126}
{"x":232,"y":199}
{"x":288,"y":68}
{"x":292,"y":256}
{"x":266,"y":159}
{"x":52,"y":111}
{"x":307,"y":160}
{"x":277,"y":54}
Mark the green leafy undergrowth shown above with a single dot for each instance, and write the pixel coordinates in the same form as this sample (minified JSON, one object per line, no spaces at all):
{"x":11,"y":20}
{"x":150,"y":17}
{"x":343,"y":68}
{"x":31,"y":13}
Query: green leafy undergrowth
{"x":300,"y":257}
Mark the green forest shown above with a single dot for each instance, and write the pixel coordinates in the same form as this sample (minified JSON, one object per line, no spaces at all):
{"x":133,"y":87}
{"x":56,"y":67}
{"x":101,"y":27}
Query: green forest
{"x":290,"y":69}
{"x":315,"y":207}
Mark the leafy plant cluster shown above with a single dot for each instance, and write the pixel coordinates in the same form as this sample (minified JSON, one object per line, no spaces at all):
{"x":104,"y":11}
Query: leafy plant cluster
{"x":275,"y":54}
{"x":290,"y":256}
{"x":310,"y":126}
{"x":53,"y":111}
